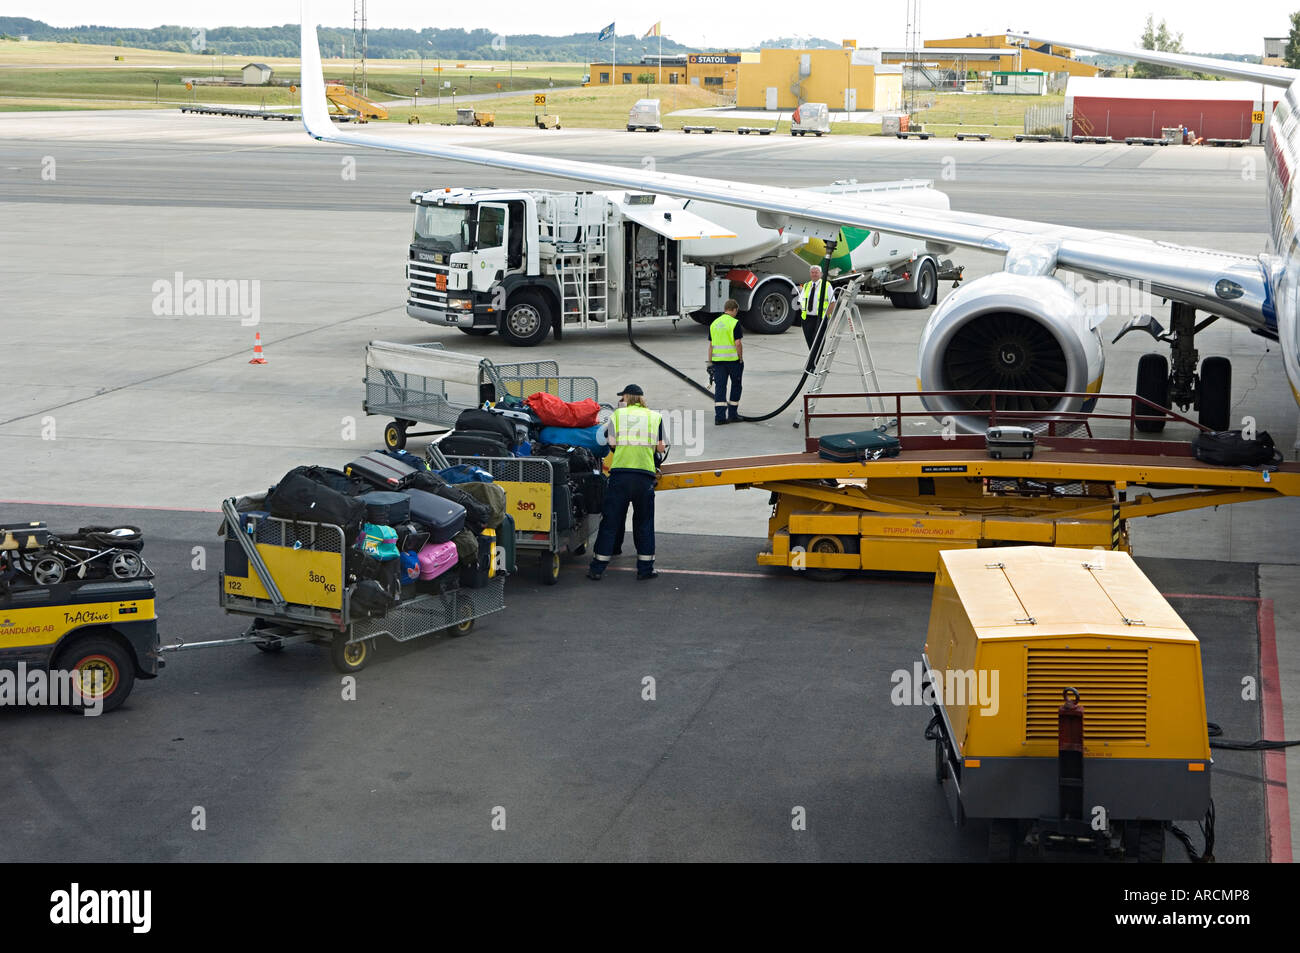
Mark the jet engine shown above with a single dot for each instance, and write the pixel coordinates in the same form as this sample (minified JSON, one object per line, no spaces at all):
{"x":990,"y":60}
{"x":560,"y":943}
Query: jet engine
{"x":1009,"y":332}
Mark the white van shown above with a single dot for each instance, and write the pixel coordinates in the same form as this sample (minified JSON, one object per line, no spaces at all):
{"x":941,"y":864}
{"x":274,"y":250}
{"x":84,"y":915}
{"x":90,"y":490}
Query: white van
{"x":811,"y":117}
{"x":644,"y":115}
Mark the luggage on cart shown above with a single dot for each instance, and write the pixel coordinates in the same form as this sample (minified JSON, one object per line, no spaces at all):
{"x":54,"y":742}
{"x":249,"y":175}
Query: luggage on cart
{"x":466,"y":543}
{"x":369,"y":598}
{"x":491,"y":496}
{"x":444,"y":518}
{"x":857,"y":446}
{"x":380,"y":542}
{"x":412,"y":537}
{"x":474,"y":443}
{"x":464,"y":473}
{"x":477,"y":573}
{"x":413,"y":460}
{"x":386,"y":507}
{"x":334,"y":479}
{"x":555,"y":412}
{"x":381,"y":470}
{"x":589,"y":488}
{"x":436,"y":558}
{"x":1016,"y":443}
{"x":476,"y":514}
{"x":591,"y":438}
{"x":485,"y":422}
{"x":506,"y":542}
{"x":298,"y":498}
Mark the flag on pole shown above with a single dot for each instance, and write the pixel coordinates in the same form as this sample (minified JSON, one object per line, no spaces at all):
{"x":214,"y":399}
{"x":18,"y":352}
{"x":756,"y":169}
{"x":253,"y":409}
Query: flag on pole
{"x":656,"y":30}
{"x":606,"y":33}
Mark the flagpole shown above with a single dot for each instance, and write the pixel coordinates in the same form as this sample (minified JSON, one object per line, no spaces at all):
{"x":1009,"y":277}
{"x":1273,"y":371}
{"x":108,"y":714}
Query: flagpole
{"x":613,"y":67}
{"x":661,"y":53}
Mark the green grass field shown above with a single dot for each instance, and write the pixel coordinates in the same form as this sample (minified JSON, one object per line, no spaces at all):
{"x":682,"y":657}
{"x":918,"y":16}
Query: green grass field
{"x":1002,"y":116}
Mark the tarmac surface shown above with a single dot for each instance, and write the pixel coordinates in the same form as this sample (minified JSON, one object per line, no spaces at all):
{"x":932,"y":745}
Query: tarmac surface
{"x":778,"y":701}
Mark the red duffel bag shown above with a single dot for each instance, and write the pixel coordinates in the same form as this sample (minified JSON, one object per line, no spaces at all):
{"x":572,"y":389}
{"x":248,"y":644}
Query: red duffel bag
{"x":555,"y":412}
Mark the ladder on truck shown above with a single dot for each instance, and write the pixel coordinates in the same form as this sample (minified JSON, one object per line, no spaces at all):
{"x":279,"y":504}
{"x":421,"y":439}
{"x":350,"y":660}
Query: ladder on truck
{"x":581,"y":262}
{"x":844,"y":321}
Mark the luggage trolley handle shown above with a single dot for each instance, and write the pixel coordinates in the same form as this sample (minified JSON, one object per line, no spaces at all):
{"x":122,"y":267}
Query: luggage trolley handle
{"x":250,"y":550}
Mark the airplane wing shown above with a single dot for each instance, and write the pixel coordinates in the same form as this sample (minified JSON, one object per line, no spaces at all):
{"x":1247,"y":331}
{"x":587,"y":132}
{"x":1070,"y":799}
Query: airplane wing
{"x":1234,"y":286}
{"x":1256,"y":72}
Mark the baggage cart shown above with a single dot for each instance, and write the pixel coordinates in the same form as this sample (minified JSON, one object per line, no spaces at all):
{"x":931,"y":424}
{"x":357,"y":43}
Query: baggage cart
{"x":544,"y":518}
{"x":290,"y":576}
{"x":409,"y":382}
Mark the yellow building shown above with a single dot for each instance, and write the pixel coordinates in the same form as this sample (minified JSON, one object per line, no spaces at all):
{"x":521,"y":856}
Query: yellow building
{"x":997,"y":52}
{"x":842,"y":79}
{"x":713,"y":71}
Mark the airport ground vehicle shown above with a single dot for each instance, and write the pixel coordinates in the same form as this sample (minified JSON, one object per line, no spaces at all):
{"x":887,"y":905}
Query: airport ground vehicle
{"x":1069,"y":703}
{"x":291,"y":577}
{"x":644,"y":114}
{"x":100,"y":627}
{"x":529,"y":262}
{"x":810,"y":117}
{"x":413,"y":382}
{"x":467,"y":116}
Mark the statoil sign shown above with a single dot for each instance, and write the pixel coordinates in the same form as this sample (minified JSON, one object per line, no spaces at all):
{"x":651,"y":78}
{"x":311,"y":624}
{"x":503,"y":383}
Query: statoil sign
{"x":708,"y":59}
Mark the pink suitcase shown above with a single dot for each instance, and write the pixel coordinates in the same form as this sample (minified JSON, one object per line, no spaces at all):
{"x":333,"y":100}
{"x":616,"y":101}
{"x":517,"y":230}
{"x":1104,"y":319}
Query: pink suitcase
{"x":437,"y":558}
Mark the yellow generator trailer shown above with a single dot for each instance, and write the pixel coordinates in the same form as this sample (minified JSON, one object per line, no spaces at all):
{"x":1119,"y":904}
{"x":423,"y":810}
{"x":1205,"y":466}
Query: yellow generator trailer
{"x":1069,"y":703}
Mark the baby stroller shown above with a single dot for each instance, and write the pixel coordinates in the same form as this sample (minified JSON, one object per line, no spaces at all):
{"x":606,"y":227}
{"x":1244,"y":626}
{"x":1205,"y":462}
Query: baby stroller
{"x":95,"y":552}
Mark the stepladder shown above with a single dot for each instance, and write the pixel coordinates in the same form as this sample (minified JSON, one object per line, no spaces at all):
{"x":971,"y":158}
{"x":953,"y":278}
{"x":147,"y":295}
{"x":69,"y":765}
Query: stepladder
{"x":844,"y":322}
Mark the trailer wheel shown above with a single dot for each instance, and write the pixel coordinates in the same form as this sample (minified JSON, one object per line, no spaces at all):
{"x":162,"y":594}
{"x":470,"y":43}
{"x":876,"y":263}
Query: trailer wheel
{"x":1152,"y":385}
{"x":940,"y":761}
{"x":824,"y":543}
{"x":395,"y":435}
{"x":466,"y":624}
{"x":349,"y":657}
{"x":527,"y":320}
{"x":770,"y":313}
{"x":98,"y":655}
{"x":1151,"y":842}
{"x":1215,"y":393}
{"x":1004,"y":840}
{"x":548,"y":569}
{"x":927,"y":285}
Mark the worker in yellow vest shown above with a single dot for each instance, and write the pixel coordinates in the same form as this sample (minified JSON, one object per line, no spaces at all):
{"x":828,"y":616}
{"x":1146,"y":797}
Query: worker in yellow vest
{"x":726,"y":362}
{"x":637,"y":435}
{"x":815,"y":300}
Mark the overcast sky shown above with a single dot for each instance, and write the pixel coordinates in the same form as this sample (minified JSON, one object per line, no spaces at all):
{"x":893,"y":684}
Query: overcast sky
{"x":1206,"y":27}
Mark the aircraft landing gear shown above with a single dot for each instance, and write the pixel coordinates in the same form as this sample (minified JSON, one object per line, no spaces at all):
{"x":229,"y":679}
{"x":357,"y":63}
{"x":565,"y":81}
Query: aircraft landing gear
{"x":1176,"y":383}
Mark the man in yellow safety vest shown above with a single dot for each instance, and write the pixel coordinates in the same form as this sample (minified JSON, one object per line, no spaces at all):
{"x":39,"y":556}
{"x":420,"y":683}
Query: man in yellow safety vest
{"x":637,"y":435}
{"x":726,"y":362}
{"x":815,"y":300}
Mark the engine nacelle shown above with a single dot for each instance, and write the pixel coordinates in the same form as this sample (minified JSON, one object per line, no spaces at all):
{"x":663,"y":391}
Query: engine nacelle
{"x":1011,"y":332}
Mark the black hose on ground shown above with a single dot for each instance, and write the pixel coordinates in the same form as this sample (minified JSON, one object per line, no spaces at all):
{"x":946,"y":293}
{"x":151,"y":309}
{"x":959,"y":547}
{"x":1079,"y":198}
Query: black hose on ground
{"x":1226,"y":744}
{"x":813,"y":353}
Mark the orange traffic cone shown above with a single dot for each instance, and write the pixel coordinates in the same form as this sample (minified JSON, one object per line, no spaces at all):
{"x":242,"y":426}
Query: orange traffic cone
{"x":257,"y":350}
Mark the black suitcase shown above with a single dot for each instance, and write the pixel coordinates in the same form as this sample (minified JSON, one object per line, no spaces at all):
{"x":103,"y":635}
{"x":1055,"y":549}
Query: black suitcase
{"x":1228,"y":448}
{"x":559,"y":470}
{"x":476,"y":514}
{"x":386,"y":508}
{"x":475,"y":574}
{"x":590,"y":488}
{"x":381,"y":470}
{"x":1009,"y":441}
{"x":413,"y":460}
{"x":562,"y":502}
{"x":506,"y":543}
{"x":486,"y":422}
{"x":443,"y":518}
{"x":474,"y":444}
{"x":857,"y":446}
{"x":298,"y":498}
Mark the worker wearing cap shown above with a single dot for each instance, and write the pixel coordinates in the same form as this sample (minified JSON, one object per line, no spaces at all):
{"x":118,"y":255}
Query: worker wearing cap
{"x":637,"y":435}
{"x":726,"y":362}
{"x":815,"y":300}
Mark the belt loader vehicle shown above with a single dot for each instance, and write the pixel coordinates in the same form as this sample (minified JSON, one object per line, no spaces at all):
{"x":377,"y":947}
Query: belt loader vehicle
{"x":528,"y":262}
{"x":1069,"y":703}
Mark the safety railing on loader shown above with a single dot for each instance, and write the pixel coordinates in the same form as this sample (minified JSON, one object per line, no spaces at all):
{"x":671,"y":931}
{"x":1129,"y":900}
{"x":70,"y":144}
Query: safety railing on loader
{"x":410,"y":383}
{"x":912,"y":417}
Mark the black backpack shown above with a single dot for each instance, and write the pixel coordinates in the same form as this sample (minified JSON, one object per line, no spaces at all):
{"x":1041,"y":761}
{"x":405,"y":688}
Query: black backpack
{"x":487,"y":423}
{"x":1228,"y":448}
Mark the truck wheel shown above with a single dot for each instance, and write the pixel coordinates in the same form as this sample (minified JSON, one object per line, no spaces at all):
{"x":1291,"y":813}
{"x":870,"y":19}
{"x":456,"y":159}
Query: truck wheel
{"x":395,"y":435}
{"x":927,"y":285}
{"x":476,"y":332}
{"x":1152,"y":385}
{"x":631,"y":128}
{"x":1004,"y":840}
{"x":527,"y":320}
{"x":770,"y":313}
{"x":350,"y":657}
{"x":1151,"y":842}
{"x":824,"y":543}
{"x":1215,"y":393}
{"x":548,"y":569}
{"x":703,"y":316}
{"x":99,"y":656}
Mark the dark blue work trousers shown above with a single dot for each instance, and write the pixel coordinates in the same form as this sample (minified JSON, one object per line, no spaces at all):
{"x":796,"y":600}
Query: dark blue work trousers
{"x":724,"y":407}
{"x":634,"y":488}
